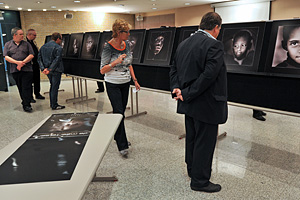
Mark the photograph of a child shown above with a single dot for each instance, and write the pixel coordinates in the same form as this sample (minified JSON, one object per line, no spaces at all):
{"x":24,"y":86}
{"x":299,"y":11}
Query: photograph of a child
{"x":89,"y":47}
{"x":75,"y":45}
{"x":287,"y":48}
{"x":240,"y":46}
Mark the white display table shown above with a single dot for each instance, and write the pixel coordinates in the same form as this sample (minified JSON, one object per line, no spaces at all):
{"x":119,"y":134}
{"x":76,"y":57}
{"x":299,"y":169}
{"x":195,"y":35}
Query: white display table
{"x":99,"y":139}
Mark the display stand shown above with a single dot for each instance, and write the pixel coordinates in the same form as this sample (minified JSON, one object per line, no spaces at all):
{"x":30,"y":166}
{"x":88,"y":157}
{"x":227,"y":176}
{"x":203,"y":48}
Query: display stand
{"x":79,"y":98}
{"x":136,"y":104}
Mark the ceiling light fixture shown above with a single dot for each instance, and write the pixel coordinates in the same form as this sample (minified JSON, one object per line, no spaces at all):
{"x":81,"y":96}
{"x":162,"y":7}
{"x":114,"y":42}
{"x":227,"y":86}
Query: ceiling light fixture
{"x":76,"y":1}
{"x":44,"y":9}
{"x":53,"y":6}
{"x":154,"y":8}
{"x":29,"y":10}
{"x":6,"y":7}
{"x":39,"y":2}
{"x":187,"y":4}
{"x":1,"y":3}
{"x":59,"y":10}
{"x":19,"y":8}
{"x":154,"y":4}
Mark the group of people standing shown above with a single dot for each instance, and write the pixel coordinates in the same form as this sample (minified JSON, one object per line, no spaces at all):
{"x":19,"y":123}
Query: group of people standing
{"x":26,"y":61}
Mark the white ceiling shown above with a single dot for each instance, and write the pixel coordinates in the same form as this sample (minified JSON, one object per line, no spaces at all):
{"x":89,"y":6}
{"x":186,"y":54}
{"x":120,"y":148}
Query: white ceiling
{"x":108,"y":6}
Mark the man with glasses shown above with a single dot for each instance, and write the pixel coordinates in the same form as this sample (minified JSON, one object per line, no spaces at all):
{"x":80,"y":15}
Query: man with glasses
{"x":19,"y":54}
{"x":30,"y":36}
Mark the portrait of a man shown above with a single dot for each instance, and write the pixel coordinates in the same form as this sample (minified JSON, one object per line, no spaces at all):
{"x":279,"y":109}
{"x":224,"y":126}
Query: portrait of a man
{"x":136,"y":41}
{"x":64,"y":43}
{"x":75,"y":45}
{"x":159,"y":46}
{"x":89,"y":47}
{"x":287,"y":50}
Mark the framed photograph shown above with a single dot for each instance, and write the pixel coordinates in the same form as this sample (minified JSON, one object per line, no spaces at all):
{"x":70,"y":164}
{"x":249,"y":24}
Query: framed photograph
{"x":136,"y":42}
{"x":75,"y":45}
{"x":284,"y":49}
{"x":104,"y":37}
{"x":65,"y":43}
{"x":242,"y":45}
{"x":48,"y":38}
{"x":89,"y":46}
{"x":159,"y":46}
{"x":186,"y":31}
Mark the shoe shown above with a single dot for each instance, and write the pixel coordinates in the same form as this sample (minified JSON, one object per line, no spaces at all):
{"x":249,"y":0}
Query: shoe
{"x":124,"y":152}
{"x":263,"y":113}
{"x":211,"y":187}
{"x":259,"y":117}
{"x":58,"y":107}
{"x":39,"y":97}
{"x":27,"y":108}
{"x":32,"y":101}
{"x":99,"y":91}
{"x":129,"y":143}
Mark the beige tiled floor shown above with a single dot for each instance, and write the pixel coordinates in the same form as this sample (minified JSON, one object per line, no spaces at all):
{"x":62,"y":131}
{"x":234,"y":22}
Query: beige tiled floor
{"x":256,"y":160}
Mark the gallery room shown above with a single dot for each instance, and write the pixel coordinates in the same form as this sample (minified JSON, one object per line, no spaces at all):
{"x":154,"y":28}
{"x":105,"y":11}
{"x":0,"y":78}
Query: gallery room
{"x":68,"y":134}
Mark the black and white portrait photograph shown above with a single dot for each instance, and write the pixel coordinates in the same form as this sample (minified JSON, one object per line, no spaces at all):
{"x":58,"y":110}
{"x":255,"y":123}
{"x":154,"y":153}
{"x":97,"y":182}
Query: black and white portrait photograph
{"x":48,"y":38}
{"x":159,"y":46}
{"x":89,"y":46}
{"x":186,"y":32}
{"x":242,"y":45}
{"x":287,"y":49}
{"x":75,"y":44}
{"x":64,"y":43}
{"x":136,"y":41}
{"x":104,"y":37}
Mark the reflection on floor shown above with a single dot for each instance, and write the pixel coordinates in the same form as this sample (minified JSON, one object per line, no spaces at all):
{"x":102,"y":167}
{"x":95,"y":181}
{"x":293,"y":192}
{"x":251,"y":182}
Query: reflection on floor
{"x":256,"y":160}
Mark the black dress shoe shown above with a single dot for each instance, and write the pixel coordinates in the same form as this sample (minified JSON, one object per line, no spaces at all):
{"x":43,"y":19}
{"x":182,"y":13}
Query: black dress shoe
{"x":259,"y":117}
{"x":99,"y":91}
{"x":58,"y":107}
{"x":32,"y":101}
{"x":211,"y":187}
{"x":27,"y":108}
{"x":39,"y":97}
{"x":263,"y":113}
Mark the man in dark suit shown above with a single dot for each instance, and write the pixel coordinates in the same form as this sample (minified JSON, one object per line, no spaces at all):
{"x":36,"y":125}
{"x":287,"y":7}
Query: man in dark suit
{"x":198,"y":78}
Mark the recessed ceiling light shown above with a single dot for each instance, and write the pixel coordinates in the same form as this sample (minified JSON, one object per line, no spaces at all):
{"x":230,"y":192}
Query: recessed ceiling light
{"x":19,"y":8}
{"x":187,"y":4}
{"x":59,"y":10}
{"x":44,"y":9}
{"x":6,"y":7}
{"x":76,"y":1}
{"x":29,"y":9}
{"x":75,"y":10}
{"x":153,"y":0}
{"x":53,"y":6}
{"x":39,"y":2}
{"x":154,"y":4}
{"x":154,"y":8}
{"x":1,"y":3}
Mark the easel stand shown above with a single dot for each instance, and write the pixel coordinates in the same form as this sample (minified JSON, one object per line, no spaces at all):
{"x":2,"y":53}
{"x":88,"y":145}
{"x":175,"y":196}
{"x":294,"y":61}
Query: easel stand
{"x":79,"y":98}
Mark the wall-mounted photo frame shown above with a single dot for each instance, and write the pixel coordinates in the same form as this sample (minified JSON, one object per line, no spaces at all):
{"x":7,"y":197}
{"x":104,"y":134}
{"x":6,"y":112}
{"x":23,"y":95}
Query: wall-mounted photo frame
{"x":284,"y":49}
{"x":89,"y":45}
{"x":48,"y":38}
{"x":75,"y":44}
{"x":186,"y":31}
{"x":159,"y":46}
{"x":65,"y":43}
{"x":243,"y":44}
{"x":104,"y":37}
{"x":136,"y":41}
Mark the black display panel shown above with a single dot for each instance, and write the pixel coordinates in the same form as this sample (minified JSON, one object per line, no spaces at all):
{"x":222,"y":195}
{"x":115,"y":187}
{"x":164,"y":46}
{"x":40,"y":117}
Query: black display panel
{"x":90,"y":44}
{"x":136,"y":42}
{"x":159,"y":46}
{"x":284,"y":49}
{"x":75,"y":45}
{"x":186,"y":32}
{"x":48,"y":38}
{"x":52,"y":152}
{"x":65,"y":43}
{"x":243,"y":44}
{"x":105,"y":37}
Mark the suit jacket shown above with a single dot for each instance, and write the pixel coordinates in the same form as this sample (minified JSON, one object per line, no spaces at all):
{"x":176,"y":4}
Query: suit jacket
{"x":199,"y":71}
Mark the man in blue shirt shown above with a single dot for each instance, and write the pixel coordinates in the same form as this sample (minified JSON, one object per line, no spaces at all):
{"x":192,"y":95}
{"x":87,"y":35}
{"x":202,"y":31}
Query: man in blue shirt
{"x":50,"y":61}
{"x":19,"y":54}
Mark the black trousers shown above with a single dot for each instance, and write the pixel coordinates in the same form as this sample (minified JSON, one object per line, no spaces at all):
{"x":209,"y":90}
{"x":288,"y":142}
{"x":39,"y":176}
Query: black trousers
{"x":100,"y":85}
{"x":118,"y":96}
{"x":200,"y":145}
{"x":24,"y":84}
{"x":36,"y":80}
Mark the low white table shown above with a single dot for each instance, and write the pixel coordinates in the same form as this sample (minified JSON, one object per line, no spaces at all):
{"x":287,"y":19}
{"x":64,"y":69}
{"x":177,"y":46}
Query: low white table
{"x":99,"y":139}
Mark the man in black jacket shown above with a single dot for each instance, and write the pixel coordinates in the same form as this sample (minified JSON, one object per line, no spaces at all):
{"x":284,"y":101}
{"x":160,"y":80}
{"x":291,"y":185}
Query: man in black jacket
{"x":30,"y":37}
{"x":198,"y":78}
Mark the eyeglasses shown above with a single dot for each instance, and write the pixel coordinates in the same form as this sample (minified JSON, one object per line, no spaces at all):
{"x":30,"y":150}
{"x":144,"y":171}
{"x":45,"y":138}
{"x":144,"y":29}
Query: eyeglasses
{"x":124,"y":31}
